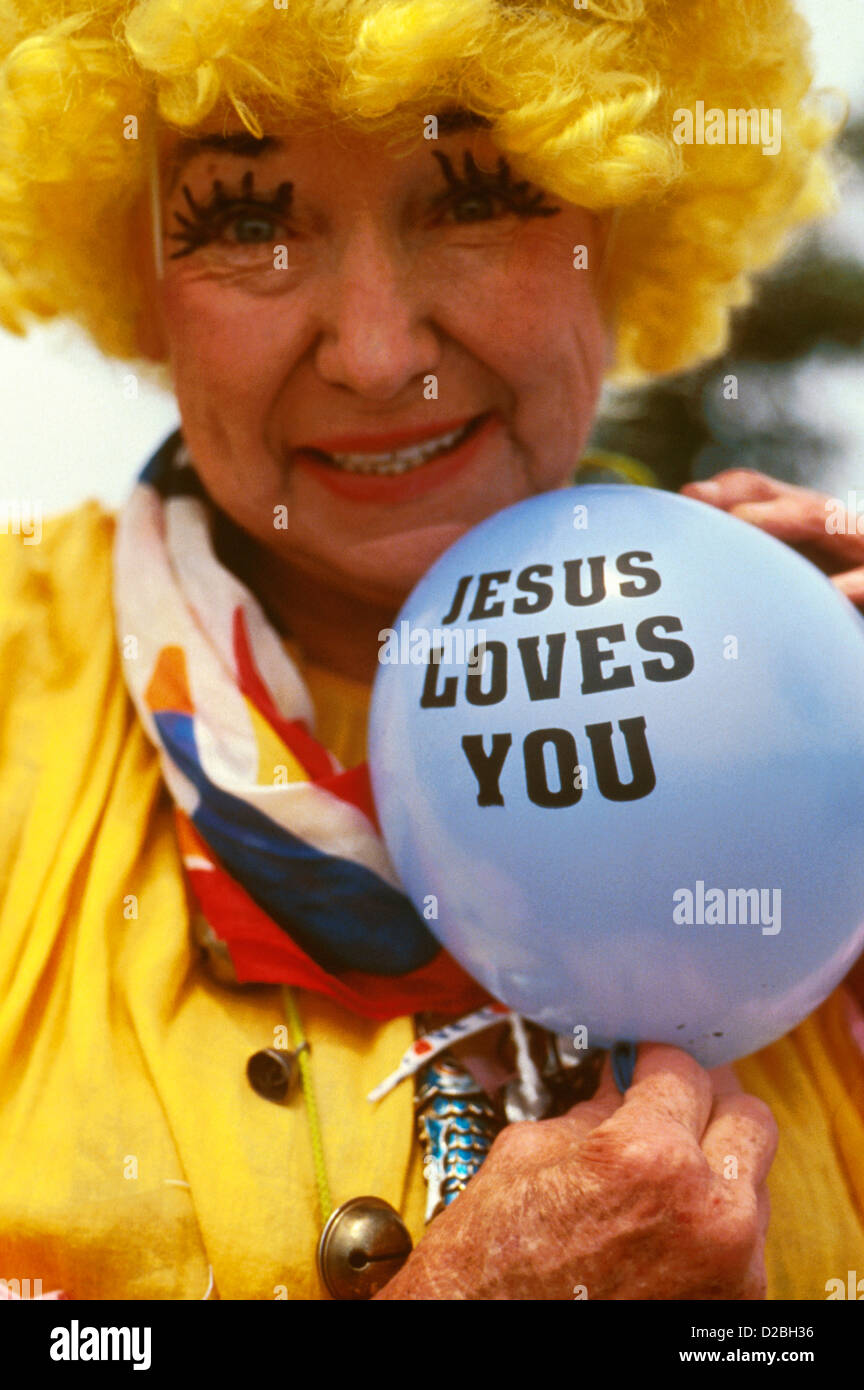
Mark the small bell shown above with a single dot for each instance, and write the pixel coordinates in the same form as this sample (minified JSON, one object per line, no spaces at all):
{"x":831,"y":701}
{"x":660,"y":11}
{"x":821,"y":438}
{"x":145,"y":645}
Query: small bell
{"x":364,"y":1243}
{"x":271,"y":1072}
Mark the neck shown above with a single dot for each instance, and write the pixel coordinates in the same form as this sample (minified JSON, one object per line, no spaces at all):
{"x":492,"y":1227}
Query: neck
{"x":333,"y":628}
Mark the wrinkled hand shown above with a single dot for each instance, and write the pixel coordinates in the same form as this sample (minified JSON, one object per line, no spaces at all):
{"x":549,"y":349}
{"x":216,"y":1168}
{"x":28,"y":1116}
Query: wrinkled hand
{"x":797,"y":515}
{"x":626,"y":1198}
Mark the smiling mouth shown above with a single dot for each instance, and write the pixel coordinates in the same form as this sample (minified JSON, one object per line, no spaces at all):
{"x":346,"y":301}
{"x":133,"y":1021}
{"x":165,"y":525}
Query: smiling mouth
{"x":398,"y":460}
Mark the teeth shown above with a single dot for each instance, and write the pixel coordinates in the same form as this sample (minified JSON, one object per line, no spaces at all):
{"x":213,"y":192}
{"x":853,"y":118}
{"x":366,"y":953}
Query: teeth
{"x":400,"y":460}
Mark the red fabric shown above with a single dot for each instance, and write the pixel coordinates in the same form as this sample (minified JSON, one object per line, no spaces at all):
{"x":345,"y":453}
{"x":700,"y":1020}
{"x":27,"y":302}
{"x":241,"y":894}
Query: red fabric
{"x":352,"y":785}
{"x":312,"y":756}
{"x":262,"y":953}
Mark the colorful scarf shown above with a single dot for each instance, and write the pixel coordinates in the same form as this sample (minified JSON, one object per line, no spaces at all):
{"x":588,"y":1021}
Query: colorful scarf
{"x":281,"y":846}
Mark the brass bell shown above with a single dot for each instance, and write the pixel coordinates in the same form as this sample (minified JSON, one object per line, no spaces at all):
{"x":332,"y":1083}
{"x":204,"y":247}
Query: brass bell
{"x":271,"y":1071}
{"x":363,"y":1245}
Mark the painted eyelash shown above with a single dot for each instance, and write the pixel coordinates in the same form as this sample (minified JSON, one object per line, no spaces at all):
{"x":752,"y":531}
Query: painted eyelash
{"x":206,"y":219}
{"x":518,"y":197}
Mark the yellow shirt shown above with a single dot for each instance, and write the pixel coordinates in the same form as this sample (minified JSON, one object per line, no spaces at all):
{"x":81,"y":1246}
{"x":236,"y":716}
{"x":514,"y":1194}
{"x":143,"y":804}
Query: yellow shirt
{"x":135,"y":1160}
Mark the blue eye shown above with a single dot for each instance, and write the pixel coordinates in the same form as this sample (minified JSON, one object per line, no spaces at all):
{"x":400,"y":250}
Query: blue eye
{"x":474,"y":207}
{"x":254,"y":219}
{"x":482,"y":196}
{"x":251,"y":229}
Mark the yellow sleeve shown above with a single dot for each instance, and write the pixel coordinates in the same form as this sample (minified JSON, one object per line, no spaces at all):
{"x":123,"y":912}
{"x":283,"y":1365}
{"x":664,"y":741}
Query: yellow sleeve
{"x":813,"y":1080}
{"x":53,"y":599}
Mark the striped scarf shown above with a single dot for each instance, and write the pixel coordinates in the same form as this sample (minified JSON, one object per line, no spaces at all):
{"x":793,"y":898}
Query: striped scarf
{"x":280,"y":845}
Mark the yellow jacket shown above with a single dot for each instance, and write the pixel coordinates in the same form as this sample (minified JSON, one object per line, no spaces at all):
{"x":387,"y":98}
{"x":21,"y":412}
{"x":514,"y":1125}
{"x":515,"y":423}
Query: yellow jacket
{"x":135,"y":1160}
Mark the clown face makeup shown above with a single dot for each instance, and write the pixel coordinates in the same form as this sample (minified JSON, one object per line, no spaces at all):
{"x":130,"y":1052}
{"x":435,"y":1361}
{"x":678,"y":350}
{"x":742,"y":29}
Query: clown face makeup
{"x":374,"y":351}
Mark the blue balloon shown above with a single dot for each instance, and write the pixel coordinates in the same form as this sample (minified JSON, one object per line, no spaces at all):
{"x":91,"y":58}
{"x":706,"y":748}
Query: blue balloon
{"x":617,"y":750}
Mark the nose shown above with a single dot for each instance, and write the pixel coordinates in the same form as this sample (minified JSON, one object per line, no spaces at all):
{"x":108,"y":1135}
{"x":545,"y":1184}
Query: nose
{"x":377,"y":335}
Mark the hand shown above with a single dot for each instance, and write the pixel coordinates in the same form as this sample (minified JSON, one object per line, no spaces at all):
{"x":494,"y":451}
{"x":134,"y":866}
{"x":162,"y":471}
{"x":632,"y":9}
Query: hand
{"x":797,"y":515}
{"x":630,"y":1198}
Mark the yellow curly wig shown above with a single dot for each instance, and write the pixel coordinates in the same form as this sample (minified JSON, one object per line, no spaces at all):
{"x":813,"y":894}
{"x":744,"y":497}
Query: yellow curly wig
{"x":581,"y":97}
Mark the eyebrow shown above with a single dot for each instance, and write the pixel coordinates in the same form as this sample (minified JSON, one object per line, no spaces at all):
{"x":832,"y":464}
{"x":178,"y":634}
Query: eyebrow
{"x":240,"y":143}
{"x":244,"y":145}
{"x":456,"y":118}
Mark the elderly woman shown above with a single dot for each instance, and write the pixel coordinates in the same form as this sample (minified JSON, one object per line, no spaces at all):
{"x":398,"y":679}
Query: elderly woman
{"x":384,"y":251}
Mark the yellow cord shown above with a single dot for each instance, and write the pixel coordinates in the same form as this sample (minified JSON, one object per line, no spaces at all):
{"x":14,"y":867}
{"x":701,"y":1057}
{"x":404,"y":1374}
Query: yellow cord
{"x":325,"y":1201}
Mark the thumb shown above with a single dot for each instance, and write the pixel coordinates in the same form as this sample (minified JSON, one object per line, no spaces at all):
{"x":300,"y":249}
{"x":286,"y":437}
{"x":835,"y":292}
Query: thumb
{"x":588,"y":1114}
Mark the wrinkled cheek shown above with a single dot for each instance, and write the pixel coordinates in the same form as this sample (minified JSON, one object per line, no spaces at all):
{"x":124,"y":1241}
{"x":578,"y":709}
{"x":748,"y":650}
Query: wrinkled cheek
{"x":588,"y":336}
{"x":190,"y":364}
{"x":563,"y":388}
{"x":594,"y":351}
{"x":212,"y":335}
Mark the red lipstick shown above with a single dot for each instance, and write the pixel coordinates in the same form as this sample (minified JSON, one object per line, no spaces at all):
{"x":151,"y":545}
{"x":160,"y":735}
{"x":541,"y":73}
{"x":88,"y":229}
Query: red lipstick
{"x":399,"y":487}
{"x":383,"y":443}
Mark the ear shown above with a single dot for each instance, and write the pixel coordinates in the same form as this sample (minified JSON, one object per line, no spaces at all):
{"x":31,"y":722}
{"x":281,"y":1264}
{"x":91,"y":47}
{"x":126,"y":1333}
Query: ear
{"x":150,"y":327}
